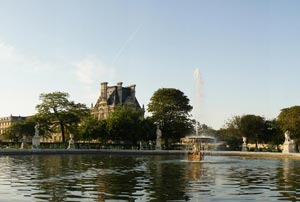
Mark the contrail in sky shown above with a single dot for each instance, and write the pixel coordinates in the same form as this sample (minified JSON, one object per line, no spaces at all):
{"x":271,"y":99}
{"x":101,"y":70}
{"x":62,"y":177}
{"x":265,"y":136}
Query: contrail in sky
{"x":130,"y":38}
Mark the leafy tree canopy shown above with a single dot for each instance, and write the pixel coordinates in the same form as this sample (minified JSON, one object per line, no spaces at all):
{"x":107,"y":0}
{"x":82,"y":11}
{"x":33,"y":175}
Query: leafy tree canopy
{"x":289,"y":119}
{"x":273,"y":133}
{"x":171,"y":109}
{"x":252,"y":127}
{"x":20,"y":129}
{"x":231,"y":133}
{"x":58,"y":111}
{"x":93,"y":129}
{"x":125,"y":124}
{"x":255,"y":128}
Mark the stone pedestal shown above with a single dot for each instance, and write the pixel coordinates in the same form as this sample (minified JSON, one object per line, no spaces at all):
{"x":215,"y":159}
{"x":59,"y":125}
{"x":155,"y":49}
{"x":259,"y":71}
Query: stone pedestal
{"x":71,"y":142}
{"x":36,"y":142}
{"x":158,"y":138}
{"x":36,"y":137}
{"x":244,"y":147}
{"x":24,"y":144}
{"x":158,"y":144}
{"x":288,"y":147}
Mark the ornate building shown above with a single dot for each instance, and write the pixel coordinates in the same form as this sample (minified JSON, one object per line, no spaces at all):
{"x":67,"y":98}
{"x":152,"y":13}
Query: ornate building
{"x":5,"y":122}
{"x":113,"y":96}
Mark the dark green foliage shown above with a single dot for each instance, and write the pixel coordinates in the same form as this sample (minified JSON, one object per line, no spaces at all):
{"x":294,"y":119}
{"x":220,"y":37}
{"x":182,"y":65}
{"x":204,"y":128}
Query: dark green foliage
{"x":171,"y":109}
{"x":289,"y":119}
{"x":231,"y":134}
{"x":20,"y":129}
{"x":148,"y":130}
{"x":255,"y":128}
{"x":58,"y":112}
{"x":273,"y":133}
{"x":93,"y":129}
{"x":252,"y":127}
{"x":231,"y":137}
{"x":126,"y":124}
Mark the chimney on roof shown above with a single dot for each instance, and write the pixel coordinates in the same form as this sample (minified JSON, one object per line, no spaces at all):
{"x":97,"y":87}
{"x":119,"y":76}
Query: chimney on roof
{"x":104,"y":90}
{"x":120,"y":92}
{"x":132,"y":88}
{"x":120,"y":84}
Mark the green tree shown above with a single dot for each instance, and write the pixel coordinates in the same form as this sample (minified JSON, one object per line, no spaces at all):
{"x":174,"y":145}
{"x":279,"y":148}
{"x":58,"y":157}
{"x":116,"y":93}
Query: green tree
{"x":205,"y":129}
{"x":171,"y":109}
{"x":148,"y":129}
{"x":289,"y":119}
{"x":125,"y":124}
{"x":58,"y":111}
{"x":273,"y":133}
{"x":255,"y":128}
{"x":19,"y":129}
{"x":14,"y":132}
{"x":252,"y":127}
{"x":231,"y":133}
{"x":93,"y":129}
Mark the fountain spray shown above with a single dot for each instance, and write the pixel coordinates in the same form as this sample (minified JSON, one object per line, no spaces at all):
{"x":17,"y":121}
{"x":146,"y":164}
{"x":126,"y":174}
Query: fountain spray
{"x":198,"y":84}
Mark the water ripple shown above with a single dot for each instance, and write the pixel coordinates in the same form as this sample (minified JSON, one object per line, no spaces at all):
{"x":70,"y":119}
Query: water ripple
{"x":152,"y":178}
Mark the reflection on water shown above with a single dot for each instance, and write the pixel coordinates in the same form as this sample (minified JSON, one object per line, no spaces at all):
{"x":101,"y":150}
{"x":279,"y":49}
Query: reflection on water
{"x":147,"y":178}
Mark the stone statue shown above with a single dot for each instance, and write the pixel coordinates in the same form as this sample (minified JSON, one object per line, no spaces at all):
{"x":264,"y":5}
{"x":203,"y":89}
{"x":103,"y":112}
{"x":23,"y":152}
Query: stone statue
{"x":71,"y":142}
{"x":158,"y":138}
{"x":288,"y":145}
{"x":287,"y":136}
{"x":244,"y":145}
{"x":36,"y":137}
{"x":196,"y":148}
{"x":158,"y":133}
{"x":36,"y":129}
{"x":24,"y":144}
{"x":244,"y":140}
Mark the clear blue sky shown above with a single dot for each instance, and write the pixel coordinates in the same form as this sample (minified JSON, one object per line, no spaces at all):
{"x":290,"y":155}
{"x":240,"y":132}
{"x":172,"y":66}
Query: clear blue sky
{"x":248,"y":52}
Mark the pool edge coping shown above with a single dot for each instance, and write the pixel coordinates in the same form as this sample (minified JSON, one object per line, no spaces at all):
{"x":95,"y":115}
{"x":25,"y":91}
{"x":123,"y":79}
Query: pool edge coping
{"x":144,"y":152}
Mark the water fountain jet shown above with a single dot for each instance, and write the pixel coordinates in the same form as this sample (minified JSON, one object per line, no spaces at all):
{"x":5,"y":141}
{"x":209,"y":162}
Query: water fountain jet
{"x":198,"y":141}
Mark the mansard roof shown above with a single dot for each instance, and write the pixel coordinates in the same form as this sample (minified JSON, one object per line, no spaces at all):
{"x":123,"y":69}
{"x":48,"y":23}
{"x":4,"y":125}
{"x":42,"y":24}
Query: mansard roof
{"x":113,"y":98}
{"x":113,"y":93}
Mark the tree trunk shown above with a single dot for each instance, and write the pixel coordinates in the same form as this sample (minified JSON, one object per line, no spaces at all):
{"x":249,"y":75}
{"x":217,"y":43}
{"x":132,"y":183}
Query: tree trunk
{"x":62,"y":128}
{"x":256,"y":142}
{"x":166,"y":142}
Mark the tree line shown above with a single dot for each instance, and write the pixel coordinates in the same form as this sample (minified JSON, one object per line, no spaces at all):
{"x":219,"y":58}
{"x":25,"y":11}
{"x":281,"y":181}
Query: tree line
{"x":56,"y":113}
{"x":169,"y":108}
{"x":259,"y":130}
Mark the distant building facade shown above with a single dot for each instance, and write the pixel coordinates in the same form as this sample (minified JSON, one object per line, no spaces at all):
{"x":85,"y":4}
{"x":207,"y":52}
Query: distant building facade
{"x":5,"y":122}
{"x":112,"y":97}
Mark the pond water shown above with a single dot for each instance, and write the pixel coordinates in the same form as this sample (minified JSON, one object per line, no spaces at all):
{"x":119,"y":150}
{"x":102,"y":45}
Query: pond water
{"x":147,"y":178}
